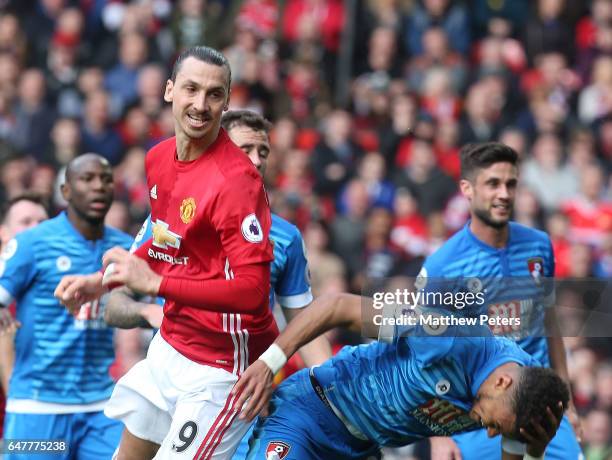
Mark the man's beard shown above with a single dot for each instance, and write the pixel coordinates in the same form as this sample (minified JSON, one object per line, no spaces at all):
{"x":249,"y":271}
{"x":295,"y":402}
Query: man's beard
{"x":485,"y":216}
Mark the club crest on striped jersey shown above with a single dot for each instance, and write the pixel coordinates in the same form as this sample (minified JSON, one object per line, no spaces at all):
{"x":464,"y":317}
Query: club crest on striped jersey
{"x":536,"y":268}
{"x":251,"y":229}
{"x":277,"y":450}
{"x":188,"y":210}
{"x":63,"y":263}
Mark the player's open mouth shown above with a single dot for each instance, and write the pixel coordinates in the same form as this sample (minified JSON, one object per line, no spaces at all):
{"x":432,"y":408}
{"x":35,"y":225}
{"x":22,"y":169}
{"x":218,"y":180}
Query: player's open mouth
{"x":195,"y":121}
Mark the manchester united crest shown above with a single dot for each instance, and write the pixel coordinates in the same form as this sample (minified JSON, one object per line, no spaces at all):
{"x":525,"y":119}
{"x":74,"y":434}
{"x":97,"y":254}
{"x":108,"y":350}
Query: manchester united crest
{"x":188,"y":210}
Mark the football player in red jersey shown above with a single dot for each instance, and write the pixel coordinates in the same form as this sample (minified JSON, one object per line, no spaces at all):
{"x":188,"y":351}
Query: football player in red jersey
{"x":209,"y":257}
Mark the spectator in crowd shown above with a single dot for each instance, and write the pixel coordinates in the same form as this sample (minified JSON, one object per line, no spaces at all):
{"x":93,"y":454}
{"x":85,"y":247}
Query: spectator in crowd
{"x":65,"y":142}
{"x":324,"y":265}
{"x":348,"y":229}
{"x":334,"y":158}
{"x":122,"y":80}
{"x":452,"y":16}
{"x":437,"y":53}
{"x":598,"y":435}
{"x":547,"y":29}
{"x":546,"y":173}
{"x":590,"y":218}
{"x":430,"y":186}
{"x":97,"y":134}
{"x":595,"y":100}
{"x":33,"y":117}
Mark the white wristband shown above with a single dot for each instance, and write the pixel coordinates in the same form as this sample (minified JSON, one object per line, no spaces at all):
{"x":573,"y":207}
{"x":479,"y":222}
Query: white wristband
{"x":274,"y":358}
{"x":530,"y":457}
{"x":512,"y":446}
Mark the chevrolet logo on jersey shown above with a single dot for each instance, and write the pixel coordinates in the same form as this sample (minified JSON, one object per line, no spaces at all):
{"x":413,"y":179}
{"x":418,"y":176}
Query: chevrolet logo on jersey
{"x":164,"y":238}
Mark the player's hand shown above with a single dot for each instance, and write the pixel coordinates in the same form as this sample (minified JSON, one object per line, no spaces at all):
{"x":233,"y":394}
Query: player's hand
{"x":539,"y":433}
{"x":574,"y":419}
{"x":153,"y":314}
{"x":131,"y":271}
{"x":443,"y":448}
{"x":75,"y":290}
{"x":254,"y":385}
{"x":8,"y":324}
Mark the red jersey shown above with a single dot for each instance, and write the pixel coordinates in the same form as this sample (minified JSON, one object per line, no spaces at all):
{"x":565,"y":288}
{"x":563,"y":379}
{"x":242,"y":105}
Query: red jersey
{"x":210,"y":219}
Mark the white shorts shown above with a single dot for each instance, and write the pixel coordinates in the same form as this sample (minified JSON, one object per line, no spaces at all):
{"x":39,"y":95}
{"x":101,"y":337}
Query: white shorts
{"x":180,"y":404}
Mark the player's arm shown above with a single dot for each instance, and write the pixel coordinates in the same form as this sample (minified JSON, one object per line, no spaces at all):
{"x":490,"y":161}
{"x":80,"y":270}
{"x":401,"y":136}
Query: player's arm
{"x":558,"y":361}
{"x":556,"y":347}
{"x":125,"y":311}
{"x":242,"y":294}
{"x":7,"y":359}
{"x":18,"y":272}
{"x":294,"y":294}
{"x":317,"y":350}
{"x":325,"y":313}
{"x":75,"y":290}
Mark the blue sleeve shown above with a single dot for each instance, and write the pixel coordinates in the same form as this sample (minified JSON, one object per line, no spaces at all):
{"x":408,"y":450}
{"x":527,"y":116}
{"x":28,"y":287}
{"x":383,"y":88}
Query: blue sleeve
{"x":549,"y":289}
{"x":144,"y":234}
{"x":17,"y":267}
{"x":293,"y":286}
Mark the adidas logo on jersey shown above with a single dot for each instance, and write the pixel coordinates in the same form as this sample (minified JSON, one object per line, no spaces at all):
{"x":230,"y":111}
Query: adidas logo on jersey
{"x":153,"y":192}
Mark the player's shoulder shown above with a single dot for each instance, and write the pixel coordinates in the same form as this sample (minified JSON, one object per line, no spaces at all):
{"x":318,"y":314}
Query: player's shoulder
{"x":284,"y":231}
{"x":232,"y":163}
{"x":116,"y":236}
{"x":48,"y":229}
{"x":163,"y":148}
{"x":521,"y":233}
{"x":455,"y":246}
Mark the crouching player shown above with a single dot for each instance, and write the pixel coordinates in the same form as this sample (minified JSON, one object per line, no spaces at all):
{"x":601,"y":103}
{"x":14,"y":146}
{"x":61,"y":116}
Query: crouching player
{"x":393,"y":394}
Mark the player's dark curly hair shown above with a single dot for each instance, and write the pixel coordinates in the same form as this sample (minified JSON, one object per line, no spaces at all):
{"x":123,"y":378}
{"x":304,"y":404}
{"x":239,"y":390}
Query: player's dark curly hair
{"x":247,"y":118}
{"x":537,"y":389}
{"x":204,"y":54}
{"x":482,"y":155}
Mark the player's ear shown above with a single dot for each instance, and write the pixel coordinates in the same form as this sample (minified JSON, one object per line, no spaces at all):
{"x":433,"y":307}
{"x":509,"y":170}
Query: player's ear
{"x":467,"y":190}
{"x":503,"y":382}
{"x":65,"y":189}
{"x":229,"y":93}
{"x":169,"y":90}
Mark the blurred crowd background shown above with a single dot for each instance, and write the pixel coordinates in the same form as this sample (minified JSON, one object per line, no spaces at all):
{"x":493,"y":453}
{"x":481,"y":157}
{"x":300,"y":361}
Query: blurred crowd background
{"x":370,"y":102}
